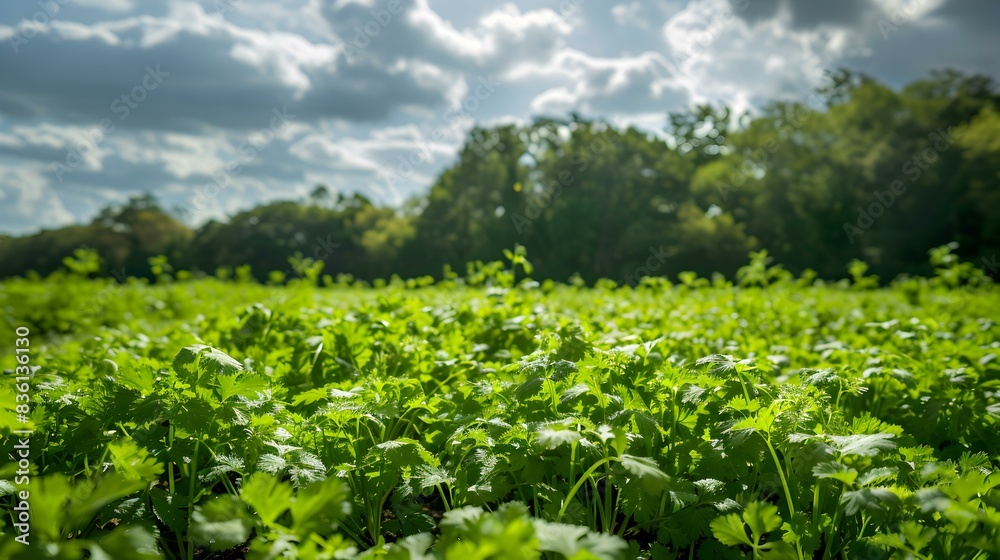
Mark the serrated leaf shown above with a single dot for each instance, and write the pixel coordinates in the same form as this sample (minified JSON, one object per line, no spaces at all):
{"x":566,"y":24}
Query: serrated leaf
{"x":217,"y":361}
{"x":571,"y":540}
{"x":880,"y":474}
{"x":170,"y":509}
{"x":134,"y":462}
{"x":730,"y":530}
{"x":836,"y":471}
{"x":869,"y":499}
{"x":648,"y":471}
{"x":762,"y":518}
{"x":864,"y":445}
{"x":551,"y":438}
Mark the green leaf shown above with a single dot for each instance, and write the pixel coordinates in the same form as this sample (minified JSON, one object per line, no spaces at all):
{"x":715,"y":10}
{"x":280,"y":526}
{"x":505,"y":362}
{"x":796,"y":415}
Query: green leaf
{"x":142,"y":379}
{"x":320,"y":506}
{"x":267,"y":495}
{"x":836,"y":471}
{"x":869,"y":499}
{"x":169,"y":509}
{"x":877,"y":475}
{"x":89,"y":496}
{"x":730,"y":530}
{"x":134,"y":462}
{"x":196,"y":359}
{"x":864,"y":445}
{"x":762,"y":518}
{"x":220,"y":524}
{"x":528,"y":388}
{"x":413,"y":547}
{"x":136,"y":542}
{"x":570,"y":540}
{"x":186,"y":360}
{"x":647,"y":470}
{"x":551,"y":438}
{"x":801,"y":530}
{"x":777,"y":550}
{"x":217,"y":361}
{"x":719,"y":364}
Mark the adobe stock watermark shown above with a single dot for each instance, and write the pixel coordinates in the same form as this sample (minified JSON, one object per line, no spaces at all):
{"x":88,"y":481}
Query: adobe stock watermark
{"x":367,"y":32}
{"x":568,"y":7}
{"x":551,"y":190}
{"x":21,"y":453}
{"x":899,"y":17}
{"x":223,"y":7}
{"x":485,"y":141}
{"x":247,"y":150}
{"x":756,"y":160}
{"x":29,"y":27}
{"x":122,"y":107}
{"x":485,"y":87}
{"x":914,"y":168}
{"x":657,"y":256}
{"x":363,"y":33}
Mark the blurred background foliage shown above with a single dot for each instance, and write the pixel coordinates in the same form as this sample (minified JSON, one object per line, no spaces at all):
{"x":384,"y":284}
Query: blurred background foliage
{"x":802,"y":180}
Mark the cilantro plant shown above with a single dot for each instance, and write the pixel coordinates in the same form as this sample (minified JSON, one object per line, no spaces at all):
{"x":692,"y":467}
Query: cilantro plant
{"x":491,"y":416}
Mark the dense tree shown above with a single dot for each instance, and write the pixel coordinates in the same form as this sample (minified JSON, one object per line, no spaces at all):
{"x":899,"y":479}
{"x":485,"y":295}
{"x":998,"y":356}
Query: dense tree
{"x":856,"y":171}
{"x":126,"y":236}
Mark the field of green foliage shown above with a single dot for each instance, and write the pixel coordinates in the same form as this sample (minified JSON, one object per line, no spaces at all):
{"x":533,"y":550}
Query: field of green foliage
{"x":492,"y":416}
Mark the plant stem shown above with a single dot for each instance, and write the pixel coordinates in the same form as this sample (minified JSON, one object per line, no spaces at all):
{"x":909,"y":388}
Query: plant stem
{"x":193,"y":474}
{"x":781,"y":475}
{"x":576,"y":487}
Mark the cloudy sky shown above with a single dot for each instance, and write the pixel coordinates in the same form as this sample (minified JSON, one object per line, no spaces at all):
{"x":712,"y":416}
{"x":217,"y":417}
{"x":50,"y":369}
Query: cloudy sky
{"x":217,"y":105}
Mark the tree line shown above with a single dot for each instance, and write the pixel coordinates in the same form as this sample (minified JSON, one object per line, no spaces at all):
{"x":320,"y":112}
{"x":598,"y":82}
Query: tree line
{"x":859,"y":170}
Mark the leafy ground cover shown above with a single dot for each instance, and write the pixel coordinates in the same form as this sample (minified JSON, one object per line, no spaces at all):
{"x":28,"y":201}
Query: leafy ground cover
{"x":497,"y":417}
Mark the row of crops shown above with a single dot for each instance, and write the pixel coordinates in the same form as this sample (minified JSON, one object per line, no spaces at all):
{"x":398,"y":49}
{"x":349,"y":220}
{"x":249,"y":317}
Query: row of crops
{"x":506,"y":419}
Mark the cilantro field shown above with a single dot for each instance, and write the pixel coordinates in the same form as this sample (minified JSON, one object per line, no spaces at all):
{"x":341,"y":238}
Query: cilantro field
{"x":493,"y":416}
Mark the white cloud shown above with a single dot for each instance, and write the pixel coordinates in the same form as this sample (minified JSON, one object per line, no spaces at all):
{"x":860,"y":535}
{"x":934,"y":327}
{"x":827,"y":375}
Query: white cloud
{"x":500,"y":39}
{"x":630,"y":14}
{"x":411,"y":91}
{"x":27,"y":200}
{"x":625,"y":85}
{"x":721,"y":58}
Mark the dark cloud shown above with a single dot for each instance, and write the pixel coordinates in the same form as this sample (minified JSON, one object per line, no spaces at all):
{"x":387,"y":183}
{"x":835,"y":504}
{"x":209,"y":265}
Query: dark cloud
{"x":808,"y":14}
{"x":980,"y":16}
{"x":357,"y":114}
{"x":214,"y":77}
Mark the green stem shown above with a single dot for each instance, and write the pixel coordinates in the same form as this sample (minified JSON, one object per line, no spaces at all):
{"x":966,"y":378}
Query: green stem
{"x":444,"y":499}
{"x":353,"y":533}
{"x":781,"y":475}
{"x":743,"y":384}
{"x":193,"y":476}
{"x":864,"y":524}
{"x":673,"y":427}
{"x":663,"y":505}
{"x":576,"y":487}
{"x":572,"y":462}
{"x":608,"y":513}
{"x":784,"y":486}
{"x":833,"y":527}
